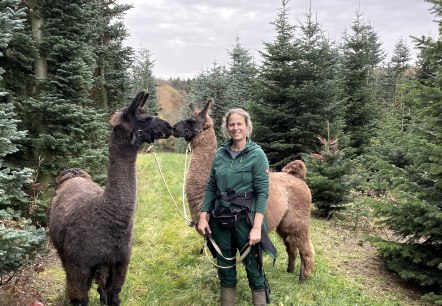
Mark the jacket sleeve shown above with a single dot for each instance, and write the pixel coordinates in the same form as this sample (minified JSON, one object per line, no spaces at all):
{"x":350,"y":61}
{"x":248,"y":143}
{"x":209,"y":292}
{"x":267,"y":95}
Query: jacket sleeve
{"x":210,"y":192}
{"x":261,"y":182}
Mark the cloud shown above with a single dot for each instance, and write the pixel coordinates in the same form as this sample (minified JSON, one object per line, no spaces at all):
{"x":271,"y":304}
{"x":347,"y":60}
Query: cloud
{"x":188,"y":36}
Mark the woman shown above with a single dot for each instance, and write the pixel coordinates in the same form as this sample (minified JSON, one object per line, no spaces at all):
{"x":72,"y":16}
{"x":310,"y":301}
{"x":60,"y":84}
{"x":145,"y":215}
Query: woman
{"x":235,"y":203}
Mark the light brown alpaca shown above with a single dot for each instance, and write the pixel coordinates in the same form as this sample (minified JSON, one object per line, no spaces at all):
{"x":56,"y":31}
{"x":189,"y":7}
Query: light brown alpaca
{"x":289,"y":203}
{"x":91,"y":227}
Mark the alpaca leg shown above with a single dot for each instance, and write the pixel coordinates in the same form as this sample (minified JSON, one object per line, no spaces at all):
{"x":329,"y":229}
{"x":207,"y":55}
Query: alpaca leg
{"x":115,"y":283}
{"x":292,"y":250}
{"x":307,"y":259}
{"x":78,"y":284}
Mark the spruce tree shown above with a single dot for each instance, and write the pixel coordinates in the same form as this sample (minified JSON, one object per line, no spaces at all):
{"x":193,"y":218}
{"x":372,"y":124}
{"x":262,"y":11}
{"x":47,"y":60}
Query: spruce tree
{"x":400,"y":60}
{"x":212,"y":84}
{"x":328,"y":176}
{"x":142,"y":78}
{"x":414,"y":213}
{"x":296,"y":90}
{"x":275,"y":86}
{"x":241,"y":77}
{"x":20,"y":242}
{"x":361,"y":54}
{"x":12,"y":179}
{"x":111,"y":80}
{"x":65,"y":126}
{"x":316,"y":105}
{"x":389,"y":79}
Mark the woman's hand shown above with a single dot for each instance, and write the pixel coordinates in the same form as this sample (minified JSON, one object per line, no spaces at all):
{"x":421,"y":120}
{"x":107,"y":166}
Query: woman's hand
{"x":255,"y":233}
{"x":255,"y":236}
{"x":203,"y":224}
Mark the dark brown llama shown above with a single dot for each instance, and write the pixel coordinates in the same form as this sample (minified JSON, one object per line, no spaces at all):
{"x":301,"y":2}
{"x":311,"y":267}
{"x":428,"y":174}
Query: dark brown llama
{"x":289,"y":203}
{"x":91,"y":228}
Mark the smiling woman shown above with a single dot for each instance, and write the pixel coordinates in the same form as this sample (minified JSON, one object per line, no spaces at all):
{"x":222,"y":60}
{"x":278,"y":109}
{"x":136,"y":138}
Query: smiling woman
{"x":195,"y":21}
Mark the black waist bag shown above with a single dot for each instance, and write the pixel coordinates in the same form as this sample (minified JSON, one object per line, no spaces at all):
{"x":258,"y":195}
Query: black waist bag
{"x":227,"y":218}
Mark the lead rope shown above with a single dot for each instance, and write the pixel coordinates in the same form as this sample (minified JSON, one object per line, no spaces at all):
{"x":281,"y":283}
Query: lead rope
{"x":184,"y":215}
{"x":245,"y":249}
{"x":183,"y":194}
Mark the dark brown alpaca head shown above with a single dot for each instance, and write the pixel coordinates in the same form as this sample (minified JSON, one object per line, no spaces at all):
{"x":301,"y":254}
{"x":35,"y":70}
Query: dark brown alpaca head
{"x":141,"y":127}
{"x":192,"y":126}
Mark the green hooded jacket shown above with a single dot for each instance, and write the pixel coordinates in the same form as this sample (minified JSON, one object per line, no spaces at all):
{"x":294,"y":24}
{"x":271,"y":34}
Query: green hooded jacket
{"x":248,"y":171}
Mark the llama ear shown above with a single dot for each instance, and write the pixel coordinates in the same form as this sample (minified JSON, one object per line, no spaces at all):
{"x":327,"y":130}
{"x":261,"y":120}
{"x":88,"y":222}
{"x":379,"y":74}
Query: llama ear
{"x":192,"y":107}
{"x":144,"y":99}
{"x":137,"y":102}
{"x":203,"y":113}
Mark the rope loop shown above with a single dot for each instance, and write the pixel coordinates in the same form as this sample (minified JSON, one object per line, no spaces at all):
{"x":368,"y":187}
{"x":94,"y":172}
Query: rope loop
{"x":184,"y":213}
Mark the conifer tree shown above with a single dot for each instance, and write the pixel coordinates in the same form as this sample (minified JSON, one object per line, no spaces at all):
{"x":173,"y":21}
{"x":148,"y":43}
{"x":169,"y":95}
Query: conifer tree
{"x":400,"y":58}
{"x":328,"y":176}
{"x":414,"y":213}
{"x":65,"y":126}
{"x":361,"y":54}
{"x":276,"y":86}
{"x":19,"y":241}
{"x":142,"y":78}
{"x":12,"y":179}
{"x":241,"y":77}
{"x":317,"y":104}
{"x":389,"y":80}
{"x":212,"y":84}
{"x":296,"y":91}
{"x":111,"y":79}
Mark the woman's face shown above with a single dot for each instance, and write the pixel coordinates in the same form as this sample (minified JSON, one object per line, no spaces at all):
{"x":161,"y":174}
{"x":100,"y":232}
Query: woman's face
{"x":237,"y":127}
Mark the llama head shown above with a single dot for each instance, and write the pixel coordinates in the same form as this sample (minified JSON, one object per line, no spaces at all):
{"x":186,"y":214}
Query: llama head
{"x":141,"y":126}
{"x":195,"y":124}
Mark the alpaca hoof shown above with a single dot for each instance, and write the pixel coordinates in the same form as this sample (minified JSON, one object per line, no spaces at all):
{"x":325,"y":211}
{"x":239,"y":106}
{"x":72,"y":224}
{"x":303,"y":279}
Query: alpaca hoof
{"x":290,"y":270}
{"x":103,"y":298}
{"x":78,"y":303}
{"x":301,"y":277}
{"x":113,"y":300}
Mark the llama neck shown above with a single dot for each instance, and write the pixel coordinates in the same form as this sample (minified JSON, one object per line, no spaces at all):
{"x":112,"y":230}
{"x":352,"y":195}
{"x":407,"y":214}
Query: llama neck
{"x":120,"y":190}
{"x":203,"y":150}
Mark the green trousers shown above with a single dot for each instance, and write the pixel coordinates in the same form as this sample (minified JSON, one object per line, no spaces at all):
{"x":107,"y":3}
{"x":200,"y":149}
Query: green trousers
{"x":230,"y":241}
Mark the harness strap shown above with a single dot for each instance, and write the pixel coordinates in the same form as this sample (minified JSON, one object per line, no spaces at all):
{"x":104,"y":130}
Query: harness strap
{"x":240,"y":199}
{"x":266,"y":244}
{"x":245,"y":201}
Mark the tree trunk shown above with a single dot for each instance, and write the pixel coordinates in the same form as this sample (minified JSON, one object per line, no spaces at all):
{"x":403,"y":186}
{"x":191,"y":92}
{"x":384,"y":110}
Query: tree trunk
{"x":40,"y":64}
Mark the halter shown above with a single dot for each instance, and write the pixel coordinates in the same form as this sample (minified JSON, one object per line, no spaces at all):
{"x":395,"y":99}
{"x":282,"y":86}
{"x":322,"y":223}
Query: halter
{"x":196,"y":132}
{"x":136,"y":134}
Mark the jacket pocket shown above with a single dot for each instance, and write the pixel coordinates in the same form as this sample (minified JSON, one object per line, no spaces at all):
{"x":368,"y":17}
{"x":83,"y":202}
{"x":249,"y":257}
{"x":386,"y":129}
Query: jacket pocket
{"x":246,"y":175}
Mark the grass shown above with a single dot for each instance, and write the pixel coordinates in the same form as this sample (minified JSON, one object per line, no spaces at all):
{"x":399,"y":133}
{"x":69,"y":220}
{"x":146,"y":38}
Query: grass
{"x":166,"y":267}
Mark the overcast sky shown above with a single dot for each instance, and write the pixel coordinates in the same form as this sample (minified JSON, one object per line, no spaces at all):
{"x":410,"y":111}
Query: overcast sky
{"x":187,"y":36}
